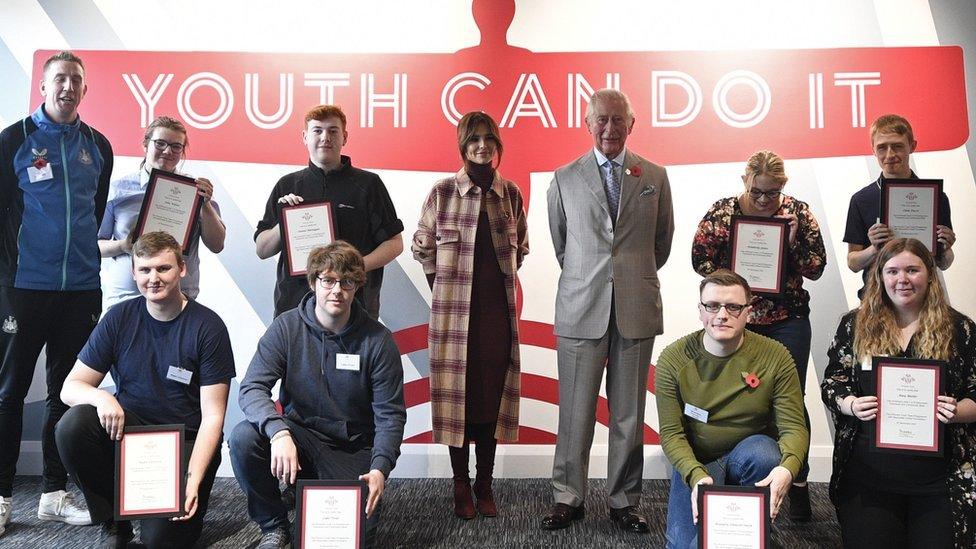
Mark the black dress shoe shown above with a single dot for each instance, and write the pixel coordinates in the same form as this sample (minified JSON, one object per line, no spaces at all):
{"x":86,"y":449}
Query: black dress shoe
{"x":630,"y":520}
{"x":562,"y":515}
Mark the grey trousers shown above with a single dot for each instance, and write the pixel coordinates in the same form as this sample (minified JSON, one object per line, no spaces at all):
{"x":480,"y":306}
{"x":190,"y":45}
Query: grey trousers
{"x":581,"y":363}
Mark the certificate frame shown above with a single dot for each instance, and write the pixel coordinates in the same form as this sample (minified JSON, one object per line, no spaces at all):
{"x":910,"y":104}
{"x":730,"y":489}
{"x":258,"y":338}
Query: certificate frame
{"x":707,"y":490}
{"x":306,"y":488}
{"x":745,"y":222}
{"x":286,"y":244}
{"x":185,"y":239}
{"x":875,"y":432}
{"x":179,"y":484}
{"x":892,"y":185}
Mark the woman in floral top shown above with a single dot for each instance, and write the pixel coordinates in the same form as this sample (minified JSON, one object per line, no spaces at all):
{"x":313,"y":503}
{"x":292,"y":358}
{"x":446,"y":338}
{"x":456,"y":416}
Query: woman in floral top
{"x":897,"y":500}
{"x":785,"y":318}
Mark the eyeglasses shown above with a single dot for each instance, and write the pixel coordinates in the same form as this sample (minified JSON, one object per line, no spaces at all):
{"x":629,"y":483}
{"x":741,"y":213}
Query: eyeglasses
{"x":328,"y":283}
{"x":161,"y":145}
{"x":734,"y":309}
{"x":772,"y":195}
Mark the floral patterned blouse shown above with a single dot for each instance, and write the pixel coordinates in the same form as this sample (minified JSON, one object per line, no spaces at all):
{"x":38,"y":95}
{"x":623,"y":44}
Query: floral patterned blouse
{"x":711,"y":250}
{"x":841,"y":380}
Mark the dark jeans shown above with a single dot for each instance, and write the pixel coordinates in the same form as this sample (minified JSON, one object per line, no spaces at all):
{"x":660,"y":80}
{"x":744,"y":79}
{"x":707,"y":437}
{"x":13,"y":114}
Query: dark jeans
{"x":250,"y":454}
{"x":89,"y":455}
{"x":875,"y":518}
{"x":794,"y":333}
{"x":30,"y":319}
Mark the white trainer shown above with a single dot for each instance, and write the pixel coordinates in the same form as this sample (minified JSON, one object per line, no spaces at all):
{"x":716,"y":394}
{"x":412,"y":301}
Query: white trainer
{"x":6,"y":508}
{"x":60,"y":506}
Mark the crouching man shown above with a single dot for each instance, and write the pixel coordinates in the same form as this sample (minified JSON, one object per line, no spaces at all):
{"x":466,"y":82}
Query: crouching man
{"x":341,"y":398}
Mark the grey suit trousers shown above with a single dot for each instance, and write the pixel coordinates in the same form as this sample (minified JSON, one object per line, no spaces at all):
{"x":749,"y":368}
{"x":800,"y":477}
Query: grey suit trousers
{"x":581,"y":363}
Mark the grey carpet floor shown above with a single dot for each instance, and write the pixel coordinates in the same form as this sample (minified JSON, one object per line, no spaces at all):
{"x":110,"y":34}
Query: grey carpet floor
{"x":418,"y":513}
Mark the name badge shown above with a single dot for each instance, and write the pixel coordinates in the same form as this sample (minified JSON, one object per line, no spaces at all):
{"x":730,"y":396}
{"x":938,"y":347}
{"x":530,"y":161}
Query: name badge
{"x":179,"y":375}
{"x":347,"y":362}
{"x":866,"y":364}
{"x":42,"y":174}
{"x":695,"y":412}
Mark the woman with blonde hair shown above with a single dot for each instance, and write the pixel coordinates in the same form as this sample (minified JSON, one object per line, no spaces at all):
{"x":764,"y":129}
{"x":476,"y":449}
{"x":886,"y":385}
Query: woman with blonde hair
{"x":471,"y":239}
{"x":902,"y":500}
{"x":784,"y":318}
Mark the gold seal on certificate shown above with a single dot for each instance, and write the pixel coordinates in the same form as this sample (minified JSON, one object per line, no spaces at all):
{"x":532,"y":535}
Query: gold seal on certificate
{"x":759,"y":252}
{"x":305,"y":227}
{"x":330,"y":514}
{"x":733,"y":517}
{"x":149,"y":479}
{"x":171,"y":205}
{"x":908,"y":395}
{"x":910,"y":208}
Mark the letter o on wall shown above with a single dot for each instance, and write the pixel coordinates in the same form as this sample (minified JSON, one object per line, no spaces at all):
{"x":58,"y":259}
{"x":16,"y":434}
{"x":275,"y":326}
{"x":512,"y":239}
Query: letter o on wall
{"x":758,"y":85}
{"x":224,"y":94}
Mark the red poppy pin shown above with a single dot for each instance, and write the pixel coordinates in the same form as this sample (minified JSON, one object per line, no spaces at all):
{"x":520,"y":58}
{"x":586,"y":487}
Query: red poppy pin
{"x":40,"y":162}
{"x":634,"y":171}
{"x":752,"y":380}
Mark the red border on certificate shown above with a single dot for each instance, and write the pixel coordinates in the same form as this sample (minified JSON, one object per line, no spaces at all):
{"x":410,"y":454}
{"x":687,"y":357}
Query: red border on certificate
{"x":292,"y":271}
{"x":151,"y":190}
{"x":880,"y":363}
{"x":175,"y":431}
{"x":706,"y":490}
{"x":935,"y":184}
{"x":737,"y":220}
{"x":305,"y":487}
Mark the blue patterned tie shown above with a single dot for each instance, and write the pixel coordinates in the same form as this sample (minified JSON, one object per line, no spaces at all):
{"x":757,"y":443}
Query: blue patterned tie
{"x":613,"y":188}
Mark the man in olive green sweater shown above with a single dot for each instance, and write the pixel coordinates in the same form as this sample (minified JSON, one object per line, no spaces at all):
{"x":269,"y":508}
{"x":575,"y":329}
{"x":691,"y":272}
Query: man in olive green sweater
{"x":729,"y":407}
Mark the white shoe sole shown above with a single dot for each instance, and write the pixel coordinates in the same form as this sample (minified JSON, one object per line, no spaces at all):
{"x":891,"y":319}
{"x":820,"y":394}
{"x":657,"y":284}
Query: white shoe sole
{"x":59,"y":518}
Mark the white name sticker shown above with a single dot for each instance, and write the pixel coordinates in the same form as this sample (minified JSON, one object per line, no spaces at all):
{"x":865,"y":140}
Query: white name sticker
{"x":866,"y":364}
{"x":347,"y":362}
{"x":42,"y":174}
{"x":179,"y":375}
{"x":695,"y":412}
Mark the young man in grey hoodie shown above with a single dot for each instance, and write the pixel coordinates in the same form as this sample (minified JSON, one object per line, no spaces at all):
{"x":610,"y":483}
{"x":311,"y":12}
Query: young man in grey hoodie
{"x":342,"y":413}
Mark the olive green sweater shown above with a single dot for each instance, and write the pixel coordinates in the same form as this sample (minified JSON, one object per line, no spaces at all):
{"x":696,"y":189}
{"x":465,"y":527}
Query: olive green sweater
{"x":687,"y":373}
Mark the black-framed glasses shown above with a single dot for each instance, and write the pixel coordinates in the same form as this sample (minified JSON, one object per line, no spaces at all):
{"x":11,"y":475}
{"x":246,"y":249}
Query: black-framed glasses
{"x":345,"y":283}
{"x":772,"y":195}
{"x":733,"y":309}
{"x":161,"y":145}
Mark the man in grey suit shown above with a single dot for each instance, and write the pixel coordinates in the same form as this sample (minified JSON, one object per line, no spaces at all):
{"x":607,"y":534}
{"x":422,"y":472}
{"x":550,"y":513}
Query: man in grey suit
{"x":611,"y":221}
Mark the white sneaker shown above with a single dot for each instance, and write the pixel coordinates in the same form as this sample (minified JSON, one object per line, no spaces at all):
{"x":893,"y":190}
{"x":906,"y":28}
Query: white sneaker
{"x":6,"y":508}
{"x":60,"y":506}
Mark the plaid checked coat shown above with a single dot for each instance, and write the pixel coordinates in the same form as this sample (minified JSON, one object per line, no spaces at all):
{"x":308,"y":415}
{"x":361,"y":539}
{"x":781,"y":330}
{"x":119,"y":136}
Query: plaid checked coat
{"x":444,"y":245}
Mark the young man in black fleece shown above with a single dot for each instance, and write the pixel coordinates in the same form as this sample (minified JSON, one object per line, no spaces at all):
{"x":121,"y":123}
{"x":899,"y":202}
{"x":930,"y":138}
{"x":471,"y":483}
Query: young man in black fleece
{"x":341,"y":398}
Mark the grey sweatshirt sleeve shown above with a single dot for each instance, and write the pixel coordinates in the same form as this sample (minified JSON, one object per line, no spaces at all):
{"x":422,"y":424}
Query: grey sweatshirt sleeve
{"x":389,"y":412}
{"x":266,"y":368}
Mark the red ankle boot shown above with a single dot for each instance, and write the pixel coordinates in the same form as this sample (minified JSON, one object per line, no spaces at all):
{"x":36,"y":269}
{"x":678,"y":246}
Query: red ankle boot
{"x":486,"y":499}
{"x":463,"y":504}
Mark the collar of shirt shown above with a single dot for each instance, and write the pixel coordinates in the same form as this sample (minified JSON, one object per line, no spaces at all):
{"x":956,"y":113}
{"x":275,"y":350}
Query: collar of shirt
{"x":464,"y":183}
{"x":881,"y":177}
{"x":601,"y":159}
{"x":144,"y":175}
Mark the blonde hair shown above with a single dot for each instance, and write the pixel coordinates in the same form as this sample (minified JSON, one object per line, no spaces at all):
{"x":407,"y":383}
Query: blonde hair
{"x":892,"y":123}
{"x":765,"y":163}
{"x":875,"y":330}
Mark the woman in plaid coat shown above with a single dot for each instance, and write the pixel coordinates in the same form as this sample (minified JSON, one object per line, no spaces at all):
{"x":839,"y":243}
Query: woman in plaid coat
{"x":471,"y":239}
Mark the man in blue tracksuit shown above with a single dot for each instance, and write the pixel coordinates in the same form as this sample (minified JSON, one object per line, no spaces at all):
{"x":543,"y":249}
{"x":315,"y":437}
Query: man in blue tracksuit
{"x":54,"y":177}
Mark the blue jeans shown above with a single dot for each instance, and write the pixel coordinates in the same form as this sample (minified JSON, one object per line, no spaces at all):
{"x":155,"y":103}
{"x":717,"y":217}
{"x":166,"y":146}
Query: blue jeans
{"x":794,"y":333}
{"x":749,"y":462}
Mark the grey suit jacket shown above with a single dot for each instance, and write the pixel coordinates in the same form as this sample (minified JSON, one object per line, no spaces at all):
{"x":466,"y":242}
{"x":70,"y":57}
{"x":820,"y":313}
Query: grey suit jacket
{"x":601,"y":261}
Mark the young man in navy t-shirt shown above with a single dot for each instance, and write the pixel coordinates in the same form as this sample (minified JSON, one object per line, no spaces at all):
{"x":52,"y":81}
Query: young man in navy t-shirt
{"x":171,"y":361}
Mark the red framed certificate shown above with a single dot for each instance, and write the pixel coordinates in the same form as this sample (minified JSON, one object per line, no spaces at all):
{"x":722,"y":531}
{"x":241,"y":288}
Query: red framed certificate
{"x":759,"y":252}
{"x":330,"y":513}
{"x":171,"y":205}
{"x":910,"y":208}
{"x":908,"y":397}
{"x":150,"y":479}
{"x":305,"y":227}
{"x":732,"y":517}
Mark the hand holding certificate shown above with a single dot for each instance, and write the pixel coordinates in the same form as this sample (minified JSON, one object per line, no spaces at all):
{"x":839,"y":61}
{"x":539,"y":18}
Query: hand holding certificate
{"x":171,"y":205}
{"x":149,"y":472}
{"x":760,"y":252}
{"x":733,"y":517}
{"x":303,"y":228}
{"x":908,"y":395}
{"x":330,"y":514}
{"x":910,"y":208}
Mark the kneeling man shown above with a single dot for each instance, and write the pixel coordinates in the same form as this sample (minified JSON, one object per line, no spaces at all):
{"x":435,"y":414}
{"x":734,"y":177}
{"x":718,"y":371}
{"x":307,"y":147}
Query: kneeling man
{"x":729,"y":406}
{"x":342,"y":413}
{"x":172,"y":363}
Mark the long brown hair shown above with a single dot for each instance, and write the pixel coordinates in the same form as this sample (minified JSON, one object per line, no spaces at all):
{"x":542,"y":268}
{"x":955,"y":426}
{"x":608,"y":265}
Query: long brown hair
{"x":876,"y":332}
{"x":468,"y":125}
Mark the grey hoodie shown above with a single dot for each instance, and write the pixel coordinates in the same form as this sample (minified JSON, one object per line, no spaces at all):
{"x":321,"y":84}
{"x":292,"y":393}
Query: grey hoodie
{"x":350,"y":409}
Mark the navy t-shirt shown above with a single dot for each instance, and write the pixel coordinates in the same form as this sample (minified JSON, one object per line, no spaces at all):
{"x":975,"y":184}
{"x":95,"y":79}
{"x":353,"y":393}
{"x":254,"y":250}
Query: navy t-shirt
{"x":865,"y":210}
{"x":138,"y":350}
